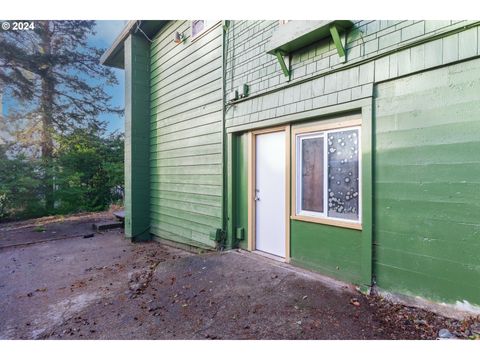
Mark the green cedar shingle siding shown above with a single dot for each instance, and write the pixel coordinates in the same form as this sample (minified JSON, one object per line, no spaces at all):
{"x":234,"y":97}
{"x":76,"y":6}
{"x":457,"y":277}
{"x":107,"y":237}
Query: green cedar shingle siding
{"x":186,"y":135}
{"x":334,"y":82}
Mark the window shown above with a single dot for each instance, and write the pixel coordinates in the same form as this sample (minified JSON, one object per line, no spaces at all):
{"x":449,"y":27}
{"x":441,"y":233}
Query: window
{"x":200,"y":26}
{"x":327,"y":174}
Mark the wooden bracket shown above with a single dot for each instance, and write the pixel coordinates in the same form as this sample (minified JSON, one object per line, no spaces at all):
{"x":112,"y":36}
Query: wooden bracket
{"x":281,"y":60}
{"x":338,"y":43}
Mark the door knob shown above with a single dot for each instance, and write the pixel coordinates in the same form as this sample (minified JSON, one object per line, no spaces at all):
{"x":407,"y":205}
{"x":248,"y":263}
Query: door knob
{"x":257,"y":198}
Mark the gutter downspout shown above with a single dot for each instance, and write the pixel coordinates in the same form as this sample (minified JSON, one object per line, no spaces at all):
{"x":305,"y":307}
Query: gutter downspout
{"x":227,"y":237}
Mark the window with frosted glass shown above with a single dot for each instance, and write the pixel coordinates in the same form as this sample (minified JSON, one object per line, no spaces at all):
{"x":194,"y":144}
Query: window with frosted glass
{"x":343,"y":174}
{"x":328,"y":174}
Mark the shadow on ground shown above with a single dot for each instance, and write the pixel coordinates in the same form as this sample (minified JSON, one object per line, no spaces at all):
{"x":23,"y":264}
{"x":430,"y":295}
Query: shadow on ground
{"x":107,"y":288}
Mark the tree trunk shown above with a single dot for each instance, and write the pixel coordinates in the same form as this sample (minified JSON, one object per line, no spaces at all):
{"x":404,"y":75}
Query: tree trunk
{"x":46,"y":113}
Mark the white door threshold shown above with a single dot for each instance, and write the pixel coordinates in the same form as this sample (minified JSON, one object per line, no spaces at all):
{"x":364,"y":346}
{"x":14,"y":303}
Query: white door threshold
{"x":270,"y":256}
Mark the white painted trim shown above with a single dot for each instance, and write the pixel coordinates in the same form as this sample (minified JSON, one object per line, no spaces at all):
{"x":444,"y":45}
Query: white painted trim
{"x":270,"y":256}
{"x":298,"y":191}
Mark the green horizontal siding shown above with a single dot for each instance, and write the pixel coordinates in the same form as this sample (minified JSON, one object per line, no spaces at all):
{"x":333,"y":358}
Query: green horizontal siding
{"x":188,"y":188}
{"x":212,"y":138}
{"x":187,"y":151}
{"x":194,"y":217}
{"x":427,"y":184}
{"x":186,"y":181}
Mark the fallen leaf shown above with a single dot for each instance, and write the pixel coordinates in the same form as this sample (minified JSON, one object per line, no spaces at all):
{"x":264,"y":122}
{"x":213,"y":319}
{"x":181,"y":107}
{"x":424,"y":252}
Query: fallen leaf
{"x":354,"y":302}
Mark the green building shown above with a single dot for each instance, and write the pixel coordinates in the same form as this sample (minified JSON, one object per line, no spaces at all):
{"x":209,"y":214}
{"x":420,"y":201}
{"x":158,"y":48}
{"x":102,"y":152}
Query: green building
{"x":351,"y":148}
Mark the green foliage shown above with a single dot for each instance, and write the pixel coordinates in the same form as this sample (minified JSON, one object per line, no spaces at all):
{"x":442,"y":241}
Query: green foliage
{"x":89,"y":170}
{"x":20,"y":187}
{"x":86,"y":173}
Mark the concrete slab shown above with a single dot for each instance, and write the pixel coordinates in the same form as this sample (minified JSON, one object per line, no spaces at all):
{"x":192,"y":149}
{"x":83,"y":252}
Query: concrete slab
{"x":108,"y":288}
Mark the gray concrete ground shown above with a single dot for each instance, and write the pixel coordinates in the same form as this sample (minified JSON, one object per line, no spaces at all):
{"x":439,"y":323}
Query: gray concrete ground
{"x":107,"y":288}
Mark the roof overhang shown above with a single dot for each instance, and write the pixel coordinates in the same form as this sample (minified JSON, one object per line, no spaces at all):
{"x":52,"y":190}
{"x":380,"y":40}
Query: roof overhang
{"x":114,"y":56}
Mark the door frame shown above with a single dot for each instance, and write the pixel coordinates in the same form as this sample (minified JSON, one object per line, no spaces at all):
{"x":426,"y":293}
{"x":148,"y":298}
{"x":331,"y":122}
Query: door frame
{"x":252,"y":184}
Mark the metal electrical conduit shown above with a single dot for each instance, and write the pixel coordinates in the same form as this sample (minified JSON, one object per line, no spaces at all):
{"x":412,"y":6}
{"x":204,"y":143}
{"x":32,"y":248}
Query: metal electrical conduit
{"x":360,"y":62}
{"x":223,"y":242}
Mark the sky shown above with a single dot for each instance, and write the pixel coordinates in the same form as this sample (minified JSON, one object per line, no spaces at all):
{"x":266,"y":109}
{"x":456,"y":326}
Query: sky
{"x":106,"y":32}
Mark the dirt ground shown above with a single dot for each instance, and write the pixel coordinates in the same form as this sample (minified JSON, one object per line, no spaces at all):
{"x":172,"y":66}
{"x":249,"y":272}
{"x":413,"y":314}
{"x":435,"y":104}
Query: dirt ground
{"x":104,"y":287}
{"x":50,"y":228}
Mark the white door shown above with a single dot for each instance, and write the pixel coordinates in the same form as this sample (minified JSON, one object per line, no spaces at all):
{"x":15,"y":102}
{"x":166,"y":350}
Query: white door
{"x":270,"y":193}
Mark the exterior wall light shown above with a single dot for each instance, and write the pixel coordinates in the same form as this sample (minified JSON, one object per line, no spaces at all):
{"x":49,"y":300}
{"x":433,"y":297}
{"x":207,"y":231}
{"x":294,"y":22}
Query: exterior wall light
{"x":179,"y":38}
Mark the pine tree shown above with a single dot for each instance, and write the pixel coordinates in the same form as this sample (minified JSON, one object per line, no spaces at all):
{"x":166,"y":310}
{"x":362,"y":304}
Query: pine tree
{"x":50,"y":70}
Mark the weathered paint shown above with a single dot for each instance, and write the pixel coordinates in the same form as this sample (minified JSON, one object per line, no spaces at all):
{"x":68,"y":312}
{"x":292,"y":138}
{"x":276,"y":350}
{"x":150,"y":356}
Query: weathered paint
{"x":137,"y":134}
{"x":427,"y":171}
{"x":186,"y":136}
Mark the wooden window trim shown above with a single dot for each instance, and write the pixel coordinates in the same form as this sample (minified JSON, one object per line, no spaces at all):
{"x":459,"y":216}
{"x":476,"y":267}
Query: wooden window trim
{"x":320,"y":127}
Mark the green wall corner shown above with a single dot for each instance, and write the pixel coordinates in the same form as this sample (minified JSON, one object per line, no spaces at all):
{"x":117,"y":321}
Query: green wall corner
{"x":137,"y":135}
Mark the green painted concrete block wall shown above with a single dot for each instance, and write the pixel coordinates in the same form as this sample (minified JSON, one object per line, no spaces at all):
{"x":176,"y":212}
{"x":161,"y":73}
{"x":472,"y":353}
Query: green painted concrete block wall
{"x":427,"y":184}
{"x":137,"y":134}
{"x":330,"y":250}
{"x":186,"y":135}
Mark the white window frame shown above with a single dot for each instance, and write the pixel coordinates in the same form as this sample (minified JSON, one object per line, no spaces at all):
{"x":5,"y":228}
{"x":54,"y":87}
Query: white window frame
{"x":299,"y":162}
{"x":208,"y":25}
{"x":298,"y":174}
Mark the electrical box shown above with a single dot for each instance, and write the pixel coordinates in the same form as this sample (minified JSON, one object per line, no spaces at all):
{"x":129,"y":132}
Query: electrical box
{"x":243,"y":91}
{"x":240,"y":233}
{"x":233,"y":96}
